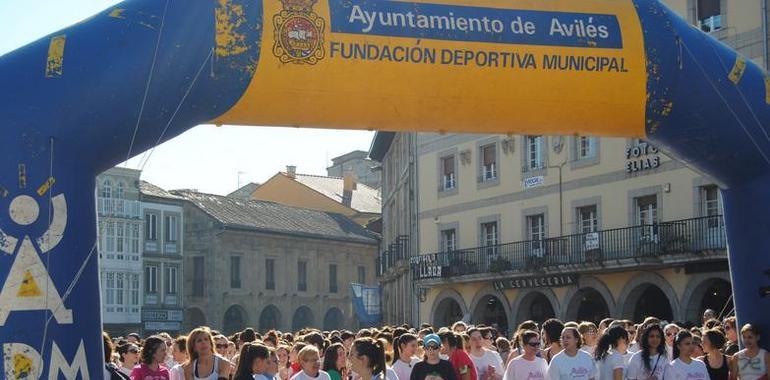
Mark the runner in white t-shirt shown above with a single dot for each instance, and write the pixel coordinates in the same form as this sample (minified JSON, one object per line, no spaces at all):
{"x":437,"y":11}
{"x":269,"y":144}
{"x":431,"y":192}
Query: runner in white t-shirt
{"x":404,"y":359}
{"x":528,"y":366}
{"x":571,"y":363}
{"x":489,"y":364}
{"x":611,"y":354}
{"x":684,"y":367}
{"x":651,"y":346}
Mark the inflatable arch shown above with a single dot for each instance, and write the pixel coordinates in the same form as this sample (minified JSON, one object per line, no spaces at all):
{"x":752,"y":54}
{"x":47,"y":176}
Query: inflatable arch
{"x":85,"y":98}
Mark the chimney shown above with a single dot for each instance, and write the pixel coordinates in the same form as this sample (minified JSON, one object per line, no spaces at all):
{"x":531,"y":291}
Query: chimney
{"x":291,"y":171}
{"x":348,"y":185}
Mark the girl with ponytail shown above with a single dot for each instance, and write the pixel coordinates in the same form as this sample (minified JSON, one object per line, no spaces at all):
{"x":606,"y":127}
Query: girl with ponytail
{"x":684,"y":367}
{"x":611,"y":352}
{"x":367,"y":357}
{"x":404,"y":358}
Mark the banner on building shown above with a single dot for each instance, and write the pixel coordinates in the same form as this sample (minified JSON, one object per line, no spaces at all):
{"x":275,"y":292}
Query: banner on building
{"x":366,"y":304}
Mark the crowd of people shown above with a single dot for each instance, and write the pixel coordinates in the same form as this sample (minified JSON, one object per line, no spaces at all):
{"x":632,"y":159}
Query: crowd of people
{"x":553,"y":350}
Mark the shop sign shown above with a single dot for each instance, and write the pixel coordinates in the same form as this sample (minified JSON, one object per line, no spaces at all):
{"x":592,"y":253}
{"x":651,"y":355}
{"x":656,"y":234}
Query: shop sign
{"x":642,"y":156}
{"x":546,"y":281}
{"x":162,"y":326}
{"x":427,"y":266}
{"x":533,"y":182}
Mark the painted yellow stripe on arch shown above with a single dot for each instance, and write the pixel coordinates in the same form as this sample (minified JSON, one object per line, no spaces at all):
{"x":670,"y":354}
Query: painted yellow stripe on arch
{"x":361,"y":94}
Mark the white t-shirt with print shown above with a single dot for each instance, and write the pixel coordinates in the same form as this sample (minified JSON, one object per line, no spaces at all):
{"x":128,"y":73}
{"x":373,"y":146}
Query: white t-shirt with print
{"x":578,"y":367}
{"x":523,"y":369}
{"x":637,"y":370}
{"x":679,"y":370}
{"x":490,"y":358}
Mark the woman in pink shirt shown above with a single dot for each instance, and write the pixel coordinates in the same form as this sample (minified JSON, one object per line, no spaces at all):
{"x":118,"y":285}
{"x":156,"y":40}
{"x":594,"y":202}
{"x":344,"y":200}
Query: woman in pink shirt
{"x":153,"y":355}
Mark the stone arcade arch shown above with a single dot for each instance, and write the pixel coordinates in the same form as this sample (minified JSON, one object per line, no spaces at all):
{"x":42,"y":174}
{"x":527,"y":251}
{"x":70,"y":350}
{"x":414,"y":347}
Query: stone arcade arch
{"x":696,"y":299}
{"x":590,"y":300}
{"x":270,"y":318}
{"x":649,"y":294}
{"x":235,"y":320}
{"x":449,"y":307}
{"x":194,"y":317}
{"x":491,"y":307}
{"x":535,"y":304}
{"x":334,"y":319}
{"x":303,"y":317}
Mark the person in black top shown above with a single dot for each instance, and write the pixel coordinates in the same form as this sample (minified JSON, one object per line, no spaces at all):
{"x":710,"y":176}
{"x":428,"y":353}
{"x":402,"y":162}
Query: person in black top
{"x":717,"y":363}
{"x":433,"y":367}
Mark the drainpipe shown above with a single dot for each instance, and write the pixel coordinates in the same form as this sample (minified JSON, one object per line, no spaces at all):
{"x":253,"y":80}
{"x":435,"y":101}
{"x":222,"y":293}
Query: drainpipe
{"x":764,"y":33}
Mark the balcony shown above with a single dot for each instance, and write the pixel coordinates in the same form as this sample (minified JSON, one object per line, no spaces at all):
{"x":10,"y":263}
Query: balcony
{"x":398,"y":250}
{"x":621,"y":247}
{"x":119,"y":208}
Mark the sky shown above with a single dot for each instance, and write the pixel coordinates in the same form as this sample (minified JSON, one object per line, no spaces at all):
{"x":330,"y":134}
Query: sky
{"x":206,"y":158}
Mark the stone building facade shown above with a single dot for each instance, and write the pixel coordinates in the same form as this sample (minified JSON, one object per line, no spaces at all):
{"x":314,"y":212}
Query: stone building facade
{"x":358,"y":164}
{"x":266,"y":265}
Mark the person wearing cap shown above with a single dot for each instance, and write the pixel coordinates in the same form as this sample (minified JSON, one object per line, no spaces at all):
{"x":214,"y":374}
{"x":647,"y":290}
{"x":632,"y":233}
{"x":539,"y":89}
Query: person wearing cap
{"x":433,"y":367}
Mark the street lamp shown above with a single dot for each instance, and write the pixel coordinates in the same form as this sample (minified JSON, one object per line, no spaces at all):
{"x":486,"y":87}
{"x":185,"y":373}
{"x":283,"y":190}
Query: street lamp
{"x":561,"y":196}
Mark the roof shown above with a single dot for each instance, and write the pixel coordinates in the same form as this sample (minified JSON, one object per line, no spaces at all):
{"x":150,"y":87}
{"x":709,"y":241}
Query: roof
{"x":356,"y":154}
{"x":277,"y":218}
{"x":364,"y":199}
{"x":380,"y":145}
{"x":245,"y":191}
{"x":146,"y":188}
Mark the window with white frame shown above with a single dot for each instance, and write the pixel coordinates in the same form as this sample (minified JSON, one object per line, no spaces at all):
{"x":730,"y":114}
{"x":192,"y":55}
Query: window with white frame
{"x":120,"y":238}
{"x":109,"y":236}
{"x":120,"y":191}
{"x":709,"y":14}
{"x":134,"y":290}
{"x":171,"y":280}
{"x":120,"y":287}
{"x":110,"y":289}
{"x":489,"y":233}
{"x":151,"y":227}
{"x":711,"y":205}
{"x":586,"y":147}
{"x":135,"y":238}
{"x":535,"y":157}
{"x":171,"y":228}
{"x":536,"y":233}
{"x":448,"y":176}
{"x":488,"y":162}
{"x":151,"y":279}
{"x":449,"y":240}
{"x":587,"y":219}
{"x":107,"y":189}
{"x":647,"y":216}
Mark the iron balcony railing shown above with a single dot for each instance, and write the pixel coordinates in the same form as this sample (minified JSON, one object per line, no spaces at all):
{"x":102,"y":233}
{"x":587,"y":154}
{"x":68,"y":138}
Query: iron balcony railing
{"x":688,"y":236}
{"x":398,"y":250}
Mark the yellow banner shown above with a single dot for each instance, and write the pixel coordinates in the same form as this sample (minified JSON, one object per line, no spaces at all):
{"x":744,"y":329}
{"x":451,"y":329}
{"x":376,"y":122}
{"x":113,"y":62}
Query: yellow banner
{"x":481,"y":66}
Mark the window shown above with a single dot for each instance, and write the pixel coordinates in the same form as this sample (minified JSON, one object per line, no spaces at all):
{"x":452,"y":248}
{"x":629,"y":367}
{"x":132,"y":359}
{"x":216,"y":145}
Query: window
{"x":711,"y":205}
{"x":171,"y":228}
{"x":270,"y":274}
{"x":109,"y":236}
{"x":302,"y":276}
{"x":135,"y":238}
{"x":151,"y":227}
{"x":361,"y":274}
{"x":587,"y":219}
{"x":448,"y":181}
{"x":709,"y":15}
{"x":535,"y":152}
{"x":120,"y":191}
{"x":488,"y":162}
{"x":235,"y":272}
{"x":586,"y":147}
{"x":151,"y":279}
{"x":120,"y":237}
{"x":107,"y":189}
{"x":647,"y":216}
{"x":489,"y":233}
{"x":199,"y":278}
{"x":332,"y":278}
{"x":536,"y":233}
{"x":134,"y":290}
{"x":109,"y":285}
{"x":171,"y":280}
{"x":449,"y":240}
{"x":120,"y":286}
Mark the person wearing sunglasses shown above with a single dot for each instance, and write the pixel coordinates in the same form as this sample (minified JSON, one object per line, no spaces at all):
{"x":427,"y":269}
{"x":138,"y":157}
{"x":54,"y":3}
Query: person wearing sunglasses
{"x":684,"y":366}
{"x":731,"y":333}
{"x":751,"y":363}
{"x":671,"y":330}
{"x":129,"y":357}
{"x":452,"y":347}
{"x":433,"y":367}
{"x":528,"y":366}
{"x":571,"y":363}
